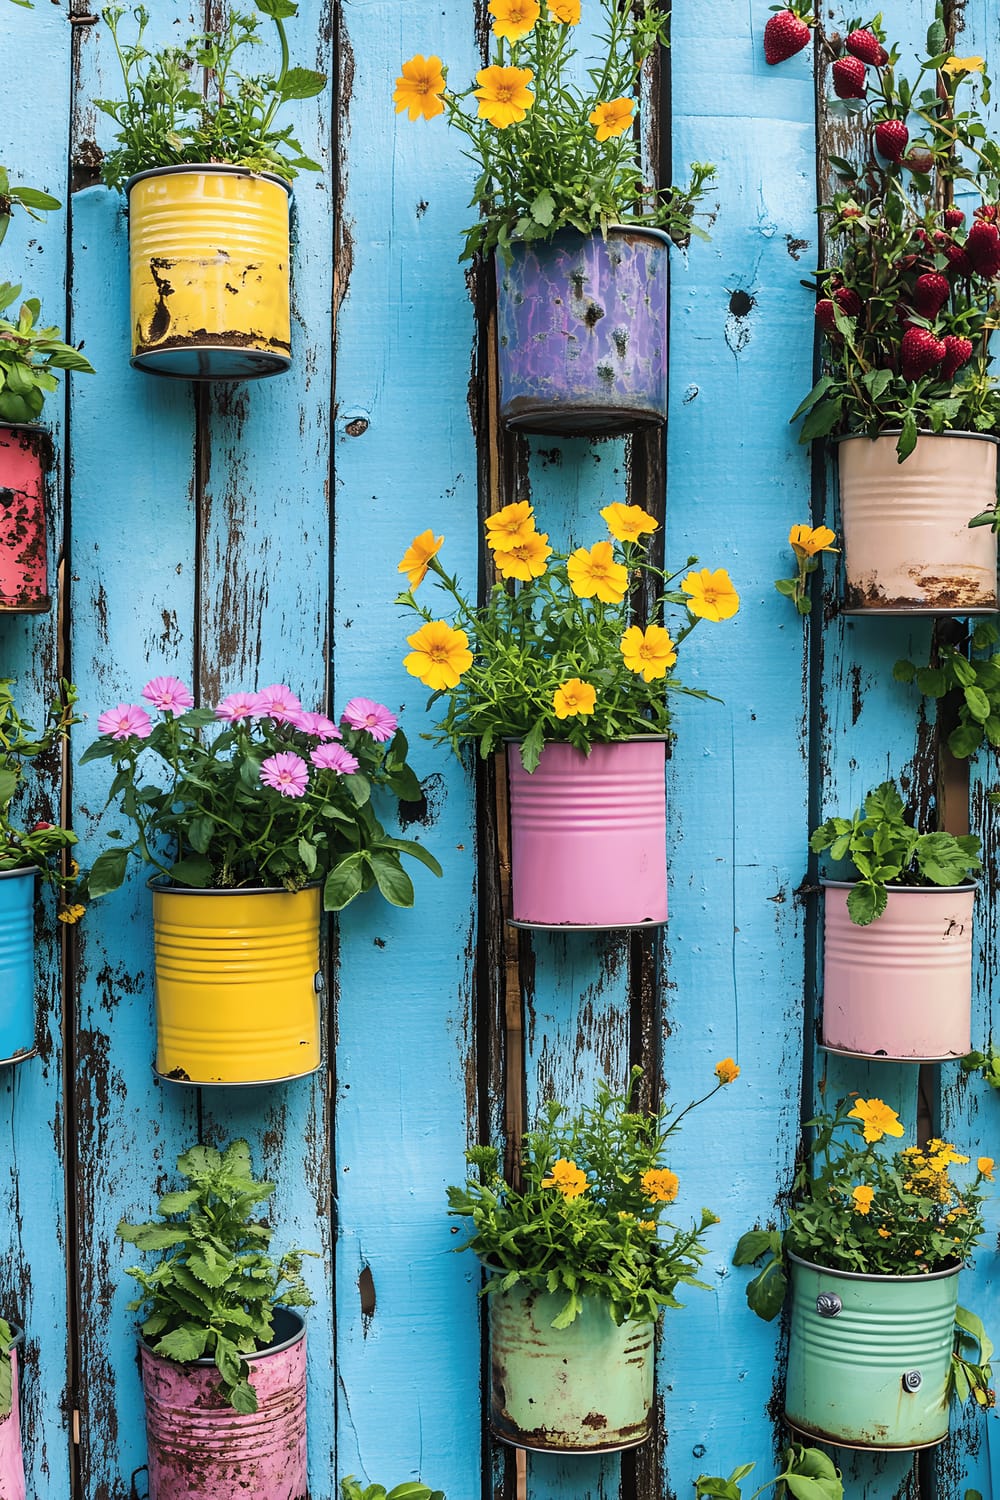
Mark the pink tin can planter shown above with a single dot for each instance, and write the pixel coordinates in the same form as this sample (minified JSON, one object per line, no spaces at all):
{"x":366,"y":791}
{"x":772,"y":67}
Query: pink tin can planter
{"x":589,"y":836}
{"x":201,"y":1449}
{"x":901,"y":988}
{"x":12,"y":1486}
{"x":25,"y":456}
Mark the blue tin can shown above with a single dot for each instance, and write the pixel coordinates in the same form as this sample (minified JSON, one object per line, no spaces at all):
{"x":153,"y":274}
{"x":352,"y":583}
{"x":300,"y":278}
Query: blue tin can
{"x":17,"y":964}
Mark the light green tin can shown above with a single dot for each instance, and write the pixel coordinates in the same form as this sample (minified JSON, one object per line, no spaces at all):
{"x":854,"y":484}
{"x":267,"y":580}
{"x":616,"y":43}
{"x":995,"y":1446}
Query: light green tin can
{"x":587,"y":1388}
{"x":869,"y":1357}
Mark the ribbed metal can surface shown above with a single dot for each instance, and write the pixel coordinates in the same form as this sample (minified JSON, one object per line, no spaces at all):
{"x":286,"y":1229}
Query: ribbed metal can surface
{"x":236,"y":984}
{"x":902,"y":986}
{"x":874,"y":1372}
{"x":24,"y":457}
{"x":17,"y":964}
{"x":908,"y":548}
{"x":12,"y":1483}
{"x":200,"y":1449}
{"x":209,"y":257}
{"x":587,"y":1388}
{"x":589,"y":835}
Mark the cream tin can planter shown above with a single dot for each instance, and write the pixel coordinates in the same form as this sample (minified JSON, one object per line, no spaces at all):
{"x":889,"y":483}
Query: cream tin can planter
{"x":587,"y":1388}
{"x":869,"y":1357}
{"x":908,"y":548}
{"x":900,"y":988}
{"x":12,"y":1486}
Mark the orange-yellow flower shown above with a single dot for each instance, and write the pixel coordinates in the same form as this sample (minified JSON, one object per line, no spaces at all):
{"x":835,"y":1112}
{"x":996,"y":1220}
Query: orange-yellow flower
{"x":627,"y":523}
{"x":649,"y":651}
{"x":527,"y":560}
{"x":513,"y":19}
{"x":985,"y":1165}
{"x":503,"y":94}
{"x":955,"y":66}
{"x":440,"y":655}
{"x":727,"y":1071}
{"x":510,"y":527}
{"x":660,"y":1184}
{"x":712,"y":594}
{"x":70,"y":914}
{"x":884,"y":1234}
{"x":567,"y":1177}
{"x":613,"y":118}
{"x":862,"y":1199}
{"x":566,"y":11}
{"x":594,"y":571}
{"x":419,"y":87}
{"x":417,"y":557}
{"x":877,"y":1119}
{"x":806,"y":541}
{"x":647,"y":1224}
{"x":574,"y":698}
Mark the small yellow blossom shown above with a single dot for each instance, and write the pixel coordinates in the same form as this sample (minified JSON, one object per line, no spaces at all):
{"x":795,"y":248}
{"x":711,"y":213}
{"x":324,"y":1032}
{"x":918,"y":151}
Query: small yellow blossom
{"x":416,"y":558}
{"x":623,"y":1215}
{"x":567,"y":1177}
{"x":628,"y":523}
{"x":877,"y":1119}
{"x":884,"y":1234}
{"x":566,"y":11}
{"x":647,"y":1224}
{"x":955,"y":66}
{"x":613,"y":118}
{"x":862,"y":1198}
{"x":527,"y":560}
{"x":806,"y":541}
{"x":503,"y":94}
{"x":70,"y":914}
{"x":593,"y":571}
{"x":574,"y":698}
{"x":727,"y":1071}
{"x":513,"y":19}
{"x":985,"y":1165}
{"x":510,"y":527}
{"x":649,"y":652}
{"x":440,"y":655}
{"x":712,"y":594}
{"x":419,"y":87}
{"x":660,"y":1184}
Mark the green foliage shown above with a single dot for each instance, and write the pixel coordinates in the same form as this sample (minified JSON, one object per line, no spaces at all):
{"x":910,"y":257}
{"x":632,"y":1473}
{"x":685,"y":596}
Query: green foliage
{"x":807,"y":1474}
{"x":987,"y":1063}
{"x":548,"y":171}
{"x":224,"y":827}
{"x":587,"y":1219}
{"x":887,"y":850}
{"x":971,"y":1370}
{"x":12,"y":195}
{"x":886,"y":227}
{"x":6,"y":1377}
{"x":28,"y":356}
{"x":350,"y":1489}
{"x":975,"y":680}
{"x":215,"y":1290}
{"x":166,"y":120}
{"x":41,"y":844}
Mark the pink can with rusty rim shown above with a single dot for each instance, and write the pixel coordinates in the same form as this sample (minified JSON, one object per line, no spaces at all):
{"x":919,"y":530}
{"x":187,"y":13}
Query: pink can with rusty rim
{"x":25,"y":458}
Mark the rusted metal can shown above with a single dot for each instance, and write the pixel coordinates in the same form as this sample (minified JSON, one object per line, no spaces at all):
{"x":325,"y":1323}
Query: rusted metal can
{"x":17,"y":967}
{"x":12,"y":1485}
{"x":587,"y":1388}
{"x":25,"y":458}
{"x":869,"y":1357}
{"x":908,"y":546}
{"x":199,"y":1448}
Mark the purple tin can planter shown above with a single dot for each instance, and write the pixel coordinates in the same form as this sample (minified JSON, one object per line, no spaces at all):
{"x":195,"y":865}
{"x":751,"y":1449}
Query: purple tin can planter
{"x":11,"y":1456}
{"x":582,"y":332}
{"x":589,"y":836}
{"x":200,"y":1449}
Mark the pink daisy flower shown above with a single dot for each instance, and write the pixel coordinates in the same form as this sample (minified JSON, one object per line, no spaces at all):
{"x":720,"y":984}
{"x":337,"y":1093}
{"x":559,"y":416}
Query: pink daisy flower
{"x":286,"y":772}
{"x":375,"y":718}
{"x":124,"y":721}
{"x":278,"y":702}
{"x":334,"y":758}
{"x":237,"y":706}
{"x":317,"y":725}
{"x":168,"y":694}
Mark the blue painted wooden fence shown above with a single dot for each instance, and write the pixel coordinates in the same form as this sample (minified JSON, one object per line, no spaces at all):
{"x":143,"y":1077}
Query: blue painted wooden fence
{"x":249,"y":534}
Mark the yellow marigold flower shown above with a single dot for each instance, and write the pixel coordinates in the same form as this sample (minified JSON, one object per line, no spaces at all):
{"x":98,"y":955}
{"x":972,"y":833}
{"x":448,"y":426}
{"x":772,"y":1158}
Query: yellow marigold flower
{"x":510,"y":527}
{"x":70,"y":914}
{"x":627,"y":523}
{"x":623,"y":1215}
{"x":566,"y":11}
{"x":647,"y":1224}
{"x":594,"y":571}
{"x":727,"y":1071}
{"x":806,"y":541}
{"x":513,"y":19}
{"x":440,"y":655}
{"x":884,"y":1234}
{"x":527,"y":560}
{"x":862,"y":1199}
{"x":712,"y":594}
{"x":954,"y":66}
{"x":419,"y":86}
{"x":417,"y":557}
{"x":567,"y":1177}
{"x":574,"y":698}
{"x":74,"y":868}
{"x":984,"y":1166}
{"x":613,"y":118}
{"x":660,"y":1184}
{"x":877,"y":1118}
{"x":650,"y":652}
{"x":503,"y":94}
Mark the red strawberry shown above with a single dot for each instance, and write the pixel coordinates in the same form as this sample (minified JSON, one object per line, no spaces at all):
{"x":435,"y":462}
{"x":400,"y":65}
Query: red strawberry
{"x":849,"y":75}
{"x":982,"y":249}
{"x":920,"y":160}
{"x":920,"y":351}
{"x":930,"y":293}
{"x":891,"y":137}
{"x":959,"y":353}
{"x":987,"y":213}
{"x":784,"y":35}
{"x":848,"y":301}
{"x":824,"y":315}
{"x":953,"y":218}
{"x":866,"y":45}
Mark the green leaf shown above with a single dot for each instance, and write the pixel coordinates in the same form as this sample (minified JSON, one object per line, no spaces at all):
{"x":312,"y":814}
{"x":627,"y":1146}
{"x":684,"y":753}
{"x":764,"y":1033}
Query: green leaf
{"x":278,"y":10}
{"x":904,"y":671}
{"x":978,"y":704}
{"x":937,"y":38}
{"x":183,"y":1344}
{"x":107,"y":872}
{"x":804,"y":1488}
{"x":302,"y":83}
{"x":544,"y":207}
{"x":932,"y":682}
{"x":965,"y":740}
{"x":307,"y":854}
{"x":242,"y":1397}
{"x":343,"y":883}
{"x":411,"y":847}
{"x":390,"y":877}
{"x":818,"y":391}
{"x":821,"y":420}
{"x":766,"y":1292}
{"x":752,"y":1245}
{"x":865,"y":903}
{"x":786,"y":586}
{"x":192,"y":872}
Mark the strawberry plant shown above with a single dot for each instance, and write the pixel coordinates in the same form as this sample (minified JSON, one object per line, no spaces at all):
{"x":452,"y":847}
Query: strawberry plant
{"x":975,"y":682}
{"x":12,"y":194}
{"x":214,"y":1292}
{"x":807,"y":1474}
{"x":28,"y":357}
{"x":350,"y":1489}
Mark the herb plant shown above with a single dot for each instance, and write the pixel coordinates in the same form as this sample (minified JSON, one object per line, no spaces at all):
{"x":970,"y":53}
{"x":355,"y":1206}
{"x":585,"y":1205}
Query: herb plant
{"x":887,"y":850}
{"x":17,"y":195}
{"x":350,"y":1489}
{"x":41,"y":844}
{"x":910,"y":299}
{"x":214,"y":1292}
{"x":563,"y":657}
{"x":807,"y":1474}
{"x":587,"y":1218}
{"x":28,"y":357}
{"x":166,"y":120}
{"x":551,"y":153}
{"x":987,"y":1063}
{"x":276,"y":796}
{"x":6,"y":1375}
{"x":975,"y":681}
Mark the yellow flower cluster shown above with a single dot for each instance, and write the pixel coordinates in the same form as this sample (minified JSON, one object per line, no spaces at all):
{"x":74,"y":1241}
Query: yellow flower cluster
{"x":660,"y":1184}
{"x":567,"y":1178}
{"x":877,"y":1119}
{"x":928,"y":1170}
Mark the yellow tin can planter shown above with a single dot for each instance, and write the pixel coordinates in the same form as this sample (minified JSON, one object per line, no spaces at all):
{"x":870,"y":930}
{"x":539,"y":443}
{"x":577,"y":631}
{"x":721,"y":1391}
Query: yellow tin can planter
{"x":209,"y":264}
{"x":237,"y":984}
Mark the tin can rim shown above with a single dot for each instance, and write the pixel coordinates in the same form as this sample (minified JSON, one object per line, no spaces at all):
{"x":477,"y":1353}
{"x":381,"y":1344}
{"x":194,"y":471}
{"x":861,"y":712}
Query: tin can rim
{"x":222,"y":167}
{"x":17,"y":1335}
{"x":20,"y":870}
{"x":812,"y":1265}
{"x":297,"y":1334}
{"x":161,"y":885}
{"x":893,"y":432}
{"x":905,"y":890}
